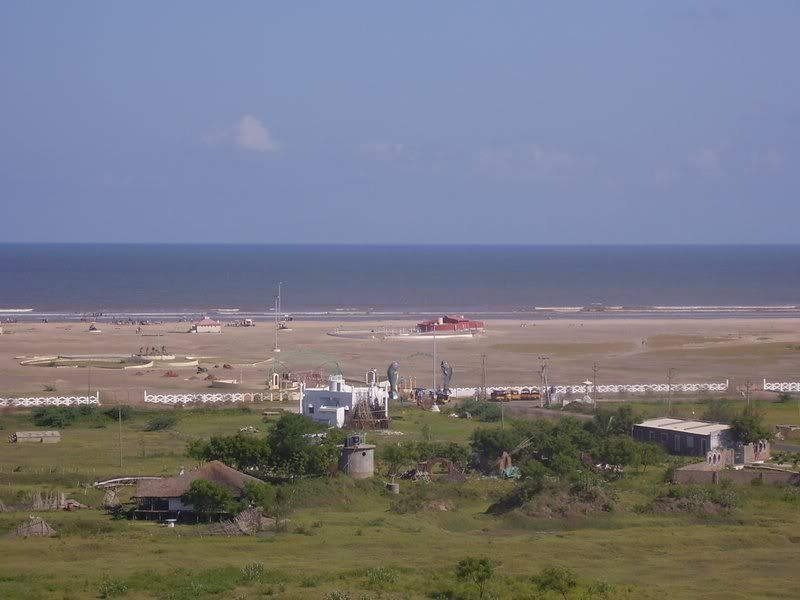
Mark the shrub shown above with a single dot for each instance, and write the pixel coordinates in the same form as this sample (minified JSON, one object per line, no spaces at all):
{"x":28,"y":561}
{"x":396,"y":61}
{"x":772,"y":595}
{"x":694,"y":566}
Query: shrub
{"x":475,"y":570}
{"x":54,"y":416}
{"x":693,"y":498}
{"x":115,"y":412}
{"x":253,"y":571}
{"x":481,"y":410}
{"x":792,"y":495}
{"x":379,"y":577}
{"x":109,"y":588}
{"x":556,"y":579}
{"x":600,"y":589}
{"x":161,"y":422}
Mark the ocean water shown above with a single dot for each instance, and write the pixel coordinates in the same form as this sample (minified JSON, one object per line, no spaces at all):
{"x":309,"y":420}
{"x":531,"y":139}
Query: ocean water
{"x":177,"y":279}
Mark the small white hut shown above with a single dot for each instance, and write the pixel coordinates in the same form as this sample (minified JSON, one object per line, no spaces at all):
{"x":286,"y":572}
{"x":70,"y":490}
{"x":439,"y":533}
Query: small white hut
{"x":206,"y":325}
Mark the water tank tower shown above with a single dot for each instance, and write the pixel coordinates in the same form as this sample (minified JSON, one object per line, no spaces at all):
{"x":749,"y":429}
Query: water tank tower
{"x":357,"y":459}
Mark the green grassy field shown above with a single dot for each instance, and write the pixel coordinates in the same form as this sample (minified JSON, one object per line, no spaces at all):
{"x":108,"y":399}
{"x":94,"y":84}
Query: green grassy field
{"x":775,"y":413}
{"x":342,"y":531}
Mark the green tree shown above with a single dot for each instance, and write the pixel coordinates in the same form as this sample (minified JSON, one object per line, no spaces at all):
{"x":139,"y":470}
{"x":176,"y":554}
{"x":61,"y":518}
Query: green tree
{"x":293,"y":454}
{"x":238,"y":451}
{"x":613,"y":422}
{"x":556,"y":579}
{"x":651,"y":454}
{"x":718,"y":410}
{"x":618,"y":450}
{"x":261,"y":495}
{"x":489,"y":444}
{"x":207,"y":498}
{"x":749,"y":427}
{"x":532,"y":479}
{"x":475,"y":570}
{"x":397,"y":457}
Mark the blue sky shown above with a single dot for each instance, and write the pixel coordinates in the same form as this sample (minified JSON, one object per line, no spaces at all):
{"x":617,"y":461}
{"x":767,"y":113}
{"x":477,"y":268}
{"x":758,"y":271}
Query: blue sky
{"x":412,"y":122}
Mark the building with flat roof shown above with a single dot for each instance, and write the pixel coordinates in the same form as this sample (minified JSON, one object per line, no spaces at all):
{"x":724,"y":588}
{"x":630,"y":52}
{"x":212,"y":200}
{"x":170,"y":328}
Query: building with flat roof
{"x":340,"y":404}
{"x":686,"y":437}
{"x":713,"y":441}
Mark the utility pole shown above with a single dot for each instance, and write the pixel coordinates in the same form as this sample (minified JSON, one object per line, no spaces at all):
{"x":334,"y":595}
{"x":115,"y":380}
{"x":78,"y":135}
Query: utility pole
{"x":483,"y":394}
{"x":543,"y":378}
{"x":748,"y":386}
{"x":275,"y":347}
{"x":670,"y":374}
{"x":434,"y":363}
{"x":595,"y":370}
{"x":89,"y":380}
{"x":119,"y":417}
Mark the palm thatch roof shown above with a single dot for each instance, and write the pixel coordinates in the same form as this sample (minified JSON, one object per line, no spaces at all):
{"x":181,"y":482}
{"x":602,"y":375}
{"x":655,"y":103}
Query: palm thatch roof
{"x":175,"y":487}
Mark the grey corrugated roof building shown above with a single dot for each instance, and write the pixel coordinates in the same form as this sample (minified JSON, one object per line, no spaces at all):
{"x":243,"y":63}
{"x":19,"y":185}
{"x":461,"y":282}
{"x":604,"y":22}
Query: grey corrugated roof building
{"x":686,"y":437}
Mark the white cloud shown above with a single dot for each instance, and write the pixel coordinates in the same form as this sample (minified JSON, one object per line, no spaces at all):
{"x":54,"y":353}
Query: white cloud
{"x":249,"y":133}
{"x":525,"y":161}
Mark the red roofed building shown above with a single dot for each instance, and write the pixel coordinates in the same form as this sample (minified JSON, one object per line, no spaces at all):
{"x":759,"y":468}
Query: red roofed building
{"x":206,"y":325}
{"x":450,"y":324}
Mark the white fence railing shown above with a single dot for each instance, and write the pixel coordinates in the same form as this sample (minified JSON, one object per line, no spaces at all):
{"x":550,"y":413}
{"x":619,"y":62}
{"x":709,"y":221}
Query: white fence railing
{"x":634,"y":388}
{"x":203,"y":398}
{"x":790,"y":386}
{"x":51,"y":401}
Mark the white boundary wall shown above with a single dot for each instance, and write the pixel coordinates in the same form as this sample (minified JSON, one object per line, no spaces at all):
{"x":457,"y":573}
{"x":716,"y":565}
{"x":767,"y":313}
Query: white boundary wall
{"x":791,"y":386}
{"x":173,"y":399}
{"x":634,"y":388}
{"x":51,"y":401}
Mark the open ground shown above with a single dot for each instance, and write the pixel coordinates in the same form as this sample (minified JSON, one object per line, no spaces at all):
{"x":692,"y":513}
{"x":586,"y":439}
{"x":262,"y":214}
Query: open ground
{"x":625,"y":350}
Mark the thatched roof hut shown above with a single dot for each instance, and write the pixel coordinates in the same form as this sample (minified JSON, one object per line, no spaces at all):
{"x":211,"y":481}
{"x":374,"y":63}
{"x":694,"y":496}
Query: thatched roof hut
{"x":35,"y":527}
{"x":164,"y":495}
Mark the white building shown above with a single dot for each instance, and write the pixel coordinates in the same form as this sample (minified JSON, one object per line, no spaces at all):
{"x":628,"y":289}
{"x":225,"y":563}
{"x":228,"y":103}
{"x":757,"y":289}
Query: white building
{"x":333,"y":404}
{"x":206,"y":325}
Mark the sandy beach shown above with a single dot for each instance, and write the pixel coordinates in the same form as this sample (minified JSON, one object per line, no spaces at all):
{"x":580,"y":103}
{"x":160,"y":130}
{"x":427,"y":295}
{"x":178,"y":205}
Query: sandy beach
{"x":625,"y":350}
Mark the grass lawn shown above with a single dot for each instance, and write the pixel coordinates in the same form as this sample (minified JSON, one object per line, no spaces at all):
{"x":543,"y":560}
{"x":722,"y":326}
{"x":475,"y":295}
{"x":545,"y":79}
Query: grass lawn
{"x":345,"y":536}
{"x":775,"y":413}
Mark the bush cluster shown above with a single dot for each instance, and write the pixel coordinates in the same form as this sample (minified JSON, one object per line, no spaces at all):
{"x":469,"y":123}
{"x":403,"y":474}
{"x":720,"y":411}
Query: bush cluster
{"x":488,"y":412}
{"x":290,"y":449}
